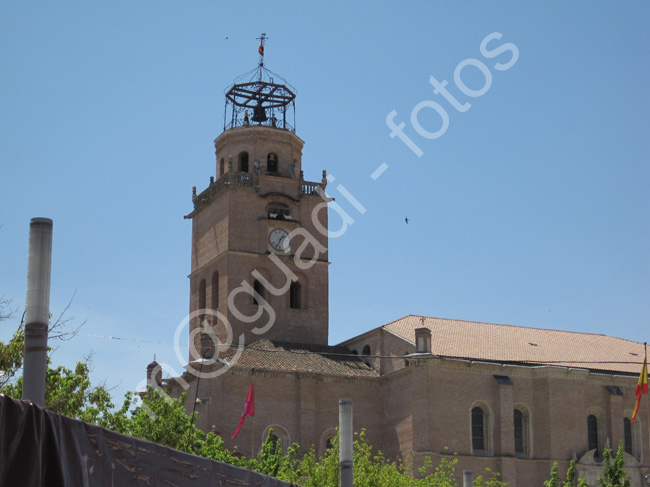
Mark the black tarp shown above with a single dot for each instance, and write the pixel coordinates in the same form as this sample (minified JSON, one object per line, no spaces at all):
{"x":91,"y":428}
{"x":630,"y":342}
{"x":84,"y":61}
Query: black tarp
{"x":41,"y":448}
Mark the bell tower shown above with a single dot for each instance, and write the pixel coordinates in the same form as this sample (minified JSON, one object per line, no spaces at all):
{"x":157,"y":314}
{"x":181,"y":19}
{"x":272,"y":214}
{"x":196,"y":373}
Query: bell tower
{"x":259,"y":230}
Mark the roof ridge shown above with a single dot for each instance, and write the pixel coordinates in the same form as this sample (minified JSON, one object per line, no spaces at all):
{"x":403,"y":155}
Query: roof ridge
{"x":511,"y":326}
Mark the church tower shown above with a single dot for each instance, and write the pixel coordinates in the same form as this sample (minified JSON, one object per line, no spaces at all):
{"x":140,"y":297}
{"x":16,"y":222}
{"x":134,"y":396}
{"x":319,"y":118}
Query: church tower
{"x":259,"y":230}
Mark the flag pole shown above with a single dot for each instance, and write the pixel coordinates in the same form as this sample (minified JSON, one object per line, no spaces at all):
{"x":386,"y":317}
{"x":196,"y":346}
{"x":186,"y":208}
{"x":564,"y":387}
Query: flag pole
{"x":260,"y":50}
{"x":645,"y":350}
{"x":253,"y":439}
{"x":252,"y":385}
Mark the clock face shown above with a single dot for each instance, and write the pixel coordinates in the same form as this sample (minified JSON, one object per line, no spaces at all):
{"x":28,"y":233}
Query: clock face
{"x":279,"y":240}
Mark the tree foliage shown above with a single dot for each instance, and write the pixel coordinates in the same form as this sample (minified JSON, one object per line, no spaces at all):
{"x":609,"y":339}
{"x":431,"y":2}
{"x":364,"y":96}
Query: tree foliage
{"x":371,"y":468}
{"x":554,"y":481}
{"x":614,"y":474}
{"x":11,"y":353}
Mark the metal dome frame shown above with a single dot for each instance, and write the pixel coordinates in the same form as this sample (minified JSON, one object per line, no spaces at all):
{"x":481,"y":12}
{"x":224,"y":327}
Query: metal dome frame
{"x":269,"y":102}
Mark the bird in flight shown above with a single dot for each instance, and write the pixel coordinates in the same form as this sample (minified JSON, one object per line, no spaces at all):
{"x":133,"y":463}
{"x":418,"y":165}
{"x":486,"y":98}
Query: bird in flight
{"x":406,"y":220}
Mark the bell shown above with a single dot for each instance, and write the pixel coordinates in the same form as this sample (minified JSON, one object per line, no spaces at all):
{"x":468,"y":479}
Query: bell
{"x":259,"y":114}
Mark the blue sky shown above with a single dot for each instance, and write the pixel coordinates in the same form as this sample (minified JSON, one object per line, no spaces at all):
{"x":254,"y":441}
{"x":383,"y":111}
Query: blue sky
{"x":531,"y":209}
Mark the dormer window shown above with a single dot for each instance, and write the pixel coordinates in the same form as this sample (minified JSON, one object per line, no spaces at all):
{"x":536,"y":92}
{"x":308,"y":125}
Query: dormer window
{"x":278,"y":211}
{"x":272,"y":162}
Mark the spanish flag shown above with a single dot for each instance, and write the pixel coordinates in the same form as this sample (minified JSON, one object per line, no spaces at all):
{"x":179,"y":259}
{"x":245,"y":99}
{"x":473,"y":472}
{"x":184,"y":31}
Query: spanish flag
{"x":261,"y":49}
{"x":641,"y":387}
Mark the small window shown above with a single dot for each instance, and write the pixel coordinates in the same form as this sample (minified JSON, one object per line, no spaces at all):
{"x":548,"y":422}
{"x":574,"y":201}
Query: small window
{"x":627,"y":434}
{"x":592,"y":433}
{"x":294,"y":295}
{"x":221,"y":167}
{"x":278,"y":211}
{"x":478,"y":430}
{"x":366,"y":350}
{"x":614,"y":390}
{"x":243,"y":162}
{"x":504,"y":380}
{"x":272,"y":162}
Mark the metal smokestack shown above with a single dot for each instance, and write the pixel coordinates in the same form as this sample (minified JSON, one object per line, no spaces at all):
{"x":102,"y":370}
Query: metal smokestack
{"x":345,"y":442}
{"x":37,"y":309}
{"x":467,"y":478}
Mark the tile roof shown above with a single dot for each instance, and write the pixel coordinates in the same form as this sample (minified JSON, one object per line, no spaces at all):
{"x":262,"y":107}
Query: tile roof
{"x":518,"y":344}
{"x":323,"y":359}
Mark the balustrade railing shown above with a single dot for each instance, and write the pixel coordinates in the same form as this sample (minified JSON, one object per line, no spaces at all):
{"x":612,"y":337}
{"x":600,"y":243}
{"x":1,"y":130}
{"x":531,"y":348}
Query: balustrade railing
{"x":248,"y":180}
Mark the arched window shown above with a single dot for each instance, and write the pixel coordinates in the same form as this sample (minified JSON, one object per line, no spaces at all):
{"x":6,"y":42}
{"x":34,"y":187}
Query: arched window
{"x":295,"y":301}
{"x":522,"y":443}
{"x":202,"y":297}
{"x":365,"y":354}
{"x":214,"y":291}
{"x":276,"y":442}
{"x":259,"y":289}
{"x":592,"y":433}
{"x":279,"y":437}
{"x":221,"y":167}
{"x":327,"y":441}
{"x":272,"y":162}
{"x":243,"y":162}
{"x":202,"y":294}
{"x":479,"y":431}
{"x":627,"y":435}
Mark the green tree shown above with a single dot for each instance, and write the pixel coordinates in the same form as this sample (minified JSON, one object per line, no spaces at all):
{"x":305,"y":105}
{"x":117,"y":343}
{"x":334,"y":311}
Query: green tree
{"x":371,"y":469}
{"x":613,"y":469}
{"x":11,"y":357}
{"x":492,"y":481}
{"x":269,"y":458}
{"x":68,"y":392}
{"x":554,"y":481}
{"x":11,"y":353}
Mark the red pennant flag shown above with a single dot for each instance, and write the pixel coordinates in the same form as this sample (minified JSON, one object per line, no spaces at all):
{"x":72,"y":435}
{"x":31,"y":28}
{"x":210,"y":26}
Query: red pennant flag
{"x":641,"y":387}
{"x":261,"y":49}
{"x":249,"y":409}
